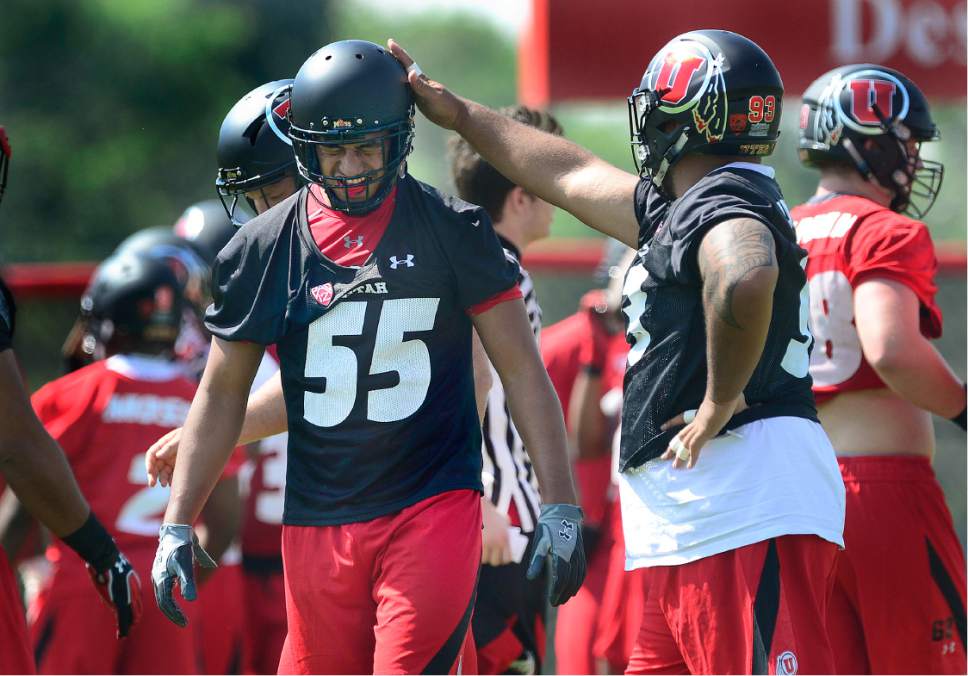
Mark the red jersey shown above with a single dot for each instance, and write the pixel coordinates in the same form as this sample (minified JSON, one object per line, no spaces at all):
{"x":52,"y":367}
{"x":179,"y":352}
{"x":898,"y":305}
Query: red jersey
{"x":576,"y":342}
{"x":105,"y":416}
{"x":851,"y":239}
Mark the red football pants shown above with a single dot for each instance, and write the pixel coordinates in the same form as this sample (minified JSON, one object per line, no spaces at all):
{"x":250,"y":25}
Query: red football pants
{"x":754,"y":610}
{"x":898,"y":605}
{"x":265,"y":622}
{"x":15,"y":657}
{"x":393,"y":595}
{"x":221,"y":615}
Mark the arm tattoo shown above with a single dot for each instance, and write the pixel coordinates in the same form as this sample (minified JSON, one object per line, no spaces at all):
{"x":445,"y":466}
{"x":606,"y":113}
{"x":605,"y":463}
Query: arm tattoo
{"x":726,"y":256}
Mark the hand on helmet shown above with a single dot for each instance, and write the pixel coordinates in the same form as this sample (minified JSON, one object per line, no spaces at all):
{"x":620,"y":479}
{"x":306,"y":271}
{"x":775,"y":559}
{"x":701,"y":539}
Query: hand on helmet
{"x":435,"y":101}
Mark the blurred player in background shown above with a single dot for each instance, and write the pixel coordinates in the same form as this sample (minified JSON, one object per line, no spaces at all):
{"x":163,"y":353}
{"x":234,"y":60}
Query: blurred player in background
{"x":384,"y":462}
{"x":188,"y":248}
{"x":899,"y":599}
{"x":508,"y":622}
{"x":575,"y":352}
{"x":35,"y":469}
{"x":741,"y":543}
{"x":103,"y":415}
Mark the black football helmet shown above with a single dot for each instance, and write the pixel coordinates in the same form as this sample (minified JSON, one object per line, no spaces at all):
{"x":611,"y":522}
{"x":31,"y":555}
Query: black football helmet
{"x":865,"y":116}
{"x":345,"y":93}
{"x":136,"y":298}
{"x":206,"y":225}
{"x":5,"y":154}
{"x":254,"y":149}
{"x":182,"y":257}
{"x":706,"y":91}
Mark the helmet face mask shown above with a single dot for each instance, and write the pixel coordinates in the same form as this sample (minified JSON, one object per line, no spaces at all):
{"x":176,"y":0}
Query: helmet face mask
{"x":351,"y":93}
{"x":254,"y":148}
{"x":708,"y":91}
{"x":361,"y":192}
{"x":874,"y":119}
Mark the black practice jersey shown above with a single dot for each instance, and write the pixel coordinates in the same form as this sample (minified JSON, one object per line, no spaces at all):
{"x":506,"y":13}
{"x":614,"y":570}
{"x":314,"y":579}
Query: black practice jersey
{"x":375,"y":360}
{"x":7,"y":312}
{"x":662,"y":303}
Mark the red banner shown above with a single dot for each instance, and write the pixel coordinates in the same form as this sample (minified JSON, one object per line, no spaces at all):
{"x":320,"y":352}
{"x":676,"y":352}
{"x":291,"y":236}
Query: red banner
{"x":597,"y":49}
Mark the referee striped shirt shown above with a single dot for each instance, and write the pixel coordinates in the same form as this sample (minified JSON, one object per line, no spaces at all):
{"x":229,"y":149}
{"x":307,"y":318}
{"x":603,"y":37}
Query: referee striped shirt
{"x":509,"y":480}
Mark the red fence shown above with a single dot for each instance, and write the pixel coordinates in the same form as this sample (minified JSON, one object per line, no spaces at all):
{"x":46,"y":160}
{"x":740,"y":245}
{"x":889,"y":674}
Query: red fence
{"x":52,"y":280}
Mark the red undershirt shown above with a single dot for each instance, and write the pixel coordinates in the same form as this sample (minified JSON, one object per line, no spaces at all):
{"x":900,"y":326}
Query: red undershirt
{"x":349,"y":240}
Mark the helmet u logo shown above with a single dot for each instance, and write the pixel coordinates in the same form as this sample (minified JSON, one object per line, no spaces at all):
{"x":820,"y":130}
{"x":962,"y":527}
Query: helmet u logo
{"x":674,"y":77}
{"x":865,"y":94}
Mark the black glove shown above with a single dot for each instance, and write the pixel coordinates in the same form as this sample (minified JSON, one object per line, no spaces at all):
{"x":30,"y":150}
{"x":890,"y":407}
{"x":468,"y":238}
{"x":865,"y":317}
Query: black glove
{"x":120,"y":586}
{"x":558,"y":539}
{"x":115,"y":579}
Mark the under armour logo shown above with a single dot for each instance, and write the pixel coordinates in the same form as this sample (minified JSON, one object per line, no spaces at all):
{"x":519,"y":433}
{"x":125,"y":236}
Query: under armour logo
{"x":348,"y":241}
{"x":408,"y":261}
{"x":567,"y":531}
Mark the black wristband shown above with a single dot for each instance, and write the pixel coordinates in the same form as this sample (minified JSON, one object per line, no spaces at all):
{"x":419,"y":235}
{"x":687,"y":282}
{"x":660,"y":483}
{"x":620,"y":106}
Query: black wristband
{"x":93,"y":543}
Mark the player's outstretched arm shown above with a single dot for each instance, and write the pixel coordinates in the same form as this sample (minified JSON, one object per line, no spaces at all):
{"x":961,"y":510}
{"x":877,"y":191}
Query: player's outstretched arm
{"x":558,"y":171}
{"x":887,"y":315}
{"x":265,"y":416}
{"x":210,"y":433}
{"x":506,"y":335}
{"x":737,"y":261}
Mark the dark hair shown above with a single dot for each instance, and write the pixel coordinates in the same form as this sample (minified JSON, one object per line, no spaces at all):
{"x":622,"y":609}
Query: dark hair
{"x":477,"y":181}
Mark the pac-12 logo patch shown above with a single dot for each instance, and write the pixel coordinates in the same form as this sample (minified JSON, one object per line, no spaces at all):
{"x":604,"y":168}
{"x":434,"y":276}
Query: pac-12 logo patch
{"x":323,"y":294}
{"x":786,"y":663}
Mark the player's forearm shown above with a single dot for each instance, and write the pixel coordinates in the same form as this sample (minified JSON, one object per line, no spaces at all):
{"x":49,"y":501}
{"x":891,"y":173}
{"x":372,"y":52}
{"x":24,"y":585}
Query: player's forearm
{"x":36,"y":469}
{"x":265,"y":412}
{"x":208,"y":437}
{"x":918,"y":373}
{"x":536,"y":413}
{"x":32,"y":462}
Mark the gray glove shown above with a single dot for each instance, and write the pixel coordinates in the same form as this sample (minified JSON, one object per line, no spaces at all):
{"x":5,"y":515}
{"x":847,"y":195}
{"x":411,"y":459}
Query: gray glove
{"x":178,"y":549}
{"x":558,"y":538}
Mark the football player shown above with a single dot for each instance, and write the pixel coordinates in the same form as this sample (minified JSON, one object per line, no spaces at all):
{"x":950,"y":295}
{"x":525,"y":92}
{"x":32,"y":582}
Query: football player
{"x":256,"y":162}
{"x":369,"y":283}
{"x":508,"y":621}
{"x":740,"y":542}
{"x":34,"y":467}
{"x":876,"y":376}
{"x":255,"y":158}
